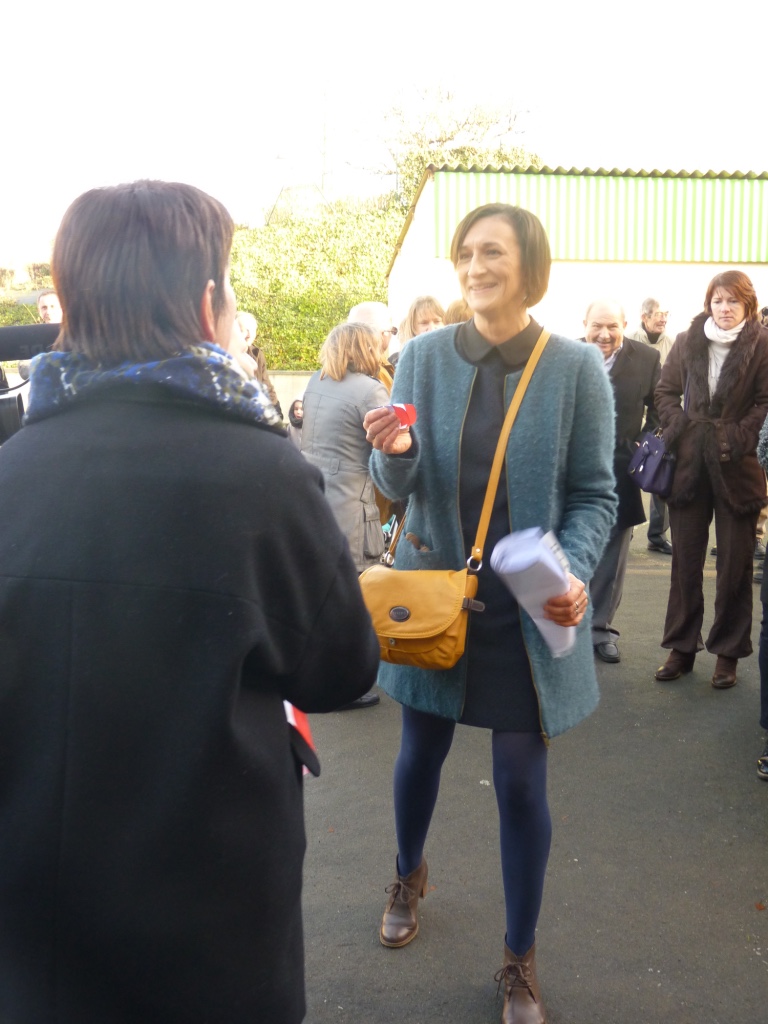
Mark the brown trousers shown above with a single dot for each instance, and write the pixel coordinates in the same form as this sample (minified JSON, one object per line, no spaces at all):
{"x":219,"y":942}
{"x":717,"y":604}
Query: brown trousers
{"x":731,"y":630}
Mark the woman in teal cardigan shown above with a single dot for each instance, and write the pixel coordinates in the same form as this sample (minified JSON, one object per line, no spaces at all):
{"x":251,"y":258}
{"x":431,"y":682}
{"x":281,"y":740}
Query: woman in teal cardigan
{"x":557,"y":475}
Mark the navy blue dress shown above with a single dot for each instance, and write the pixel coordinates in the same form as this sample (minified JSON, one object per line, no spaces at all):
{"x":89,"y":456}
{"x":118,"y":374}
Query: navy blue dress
{"x":500,"y":692}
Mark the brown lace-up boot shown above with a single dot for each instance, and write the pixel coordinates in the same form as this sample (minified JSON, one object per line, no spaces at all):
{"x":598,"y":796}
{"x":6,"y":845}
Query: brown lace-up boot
{"x":400,"y":924}
{"x":522,"y":995}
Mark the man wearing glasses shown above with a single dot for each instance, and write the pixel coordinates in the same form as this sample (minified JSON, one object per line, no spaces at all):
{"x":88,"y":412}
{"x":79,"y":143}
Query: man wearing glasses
{"x":652,"y":329}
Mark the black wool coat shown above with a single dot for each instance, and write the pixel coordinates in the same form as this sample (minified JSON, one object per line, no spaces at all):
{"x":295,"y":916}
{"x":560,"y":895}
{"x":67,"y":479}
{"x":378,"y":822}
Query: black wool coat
{"x":634,"y":376}
{"x":717,"y":434}
{"x":168,"y":576}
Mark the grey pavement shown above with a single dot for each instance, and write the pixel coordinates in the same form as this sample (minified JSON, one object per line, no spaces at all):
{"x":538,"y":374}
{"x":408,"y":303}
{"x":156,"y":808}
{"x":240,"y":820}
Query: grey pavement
{"x":658,"y":878}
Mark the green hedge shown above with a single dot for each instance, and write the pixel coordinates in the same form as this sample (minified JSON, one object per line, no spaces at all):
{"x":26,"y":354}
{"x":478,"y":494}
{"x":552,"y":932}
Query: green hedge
{"x":300,"y":275}
{"x":13,"y":314}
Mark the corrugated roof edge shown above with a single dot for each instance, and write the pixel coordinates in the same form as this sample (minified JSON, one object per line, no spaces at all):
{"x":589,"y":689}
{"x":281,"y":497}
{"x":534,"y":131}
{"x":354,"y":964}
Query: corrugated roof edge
{"x":602,"y":172}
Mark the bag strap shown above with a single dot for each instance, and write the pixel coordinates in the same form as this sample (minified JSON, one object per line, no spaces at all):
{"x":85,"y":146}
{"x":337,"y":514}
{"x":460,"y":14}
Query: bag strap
{"x":493,"y":481}
{"x":388,"y":558}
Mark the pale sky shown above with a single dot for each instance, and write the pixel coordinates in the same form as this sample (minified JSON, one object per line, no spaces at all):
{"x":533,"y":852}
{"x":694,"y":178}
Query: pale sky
{"x":244,"y":101}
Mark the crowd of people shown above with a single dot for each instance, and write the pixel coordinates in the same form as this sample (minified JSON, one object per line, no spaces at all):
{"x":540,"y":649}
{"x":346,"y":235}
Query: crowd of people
{"x":199,"y":580}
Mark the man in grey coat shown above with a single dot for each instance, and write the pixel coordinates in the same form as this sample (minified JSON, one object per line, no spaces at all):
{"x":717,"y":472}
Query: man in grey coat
{"x":652,"y":332}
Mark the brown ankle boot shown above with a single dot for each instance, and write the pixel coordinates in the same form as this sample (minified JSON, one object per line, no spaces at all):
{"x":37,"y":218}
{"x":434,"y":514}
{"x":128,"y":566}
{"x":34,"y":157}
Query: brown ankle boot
{"x":400,"y":924}
{"x":676,"y":665}
{"x":725,"y":673}
{"x":522,"y":995}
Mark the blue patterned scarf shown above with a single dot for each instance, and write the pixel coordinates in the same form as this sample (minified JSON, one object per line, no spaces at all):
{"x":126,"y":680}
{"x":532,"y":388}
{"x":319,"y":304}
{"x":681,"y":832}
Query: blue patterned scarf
{"x":204,"y":374}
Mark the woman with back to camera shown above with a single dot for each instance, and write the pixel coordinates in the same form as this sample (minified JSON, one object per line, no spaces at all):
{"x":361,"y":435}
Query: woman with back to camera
{"x":333,"y":439}
{"x":191,"y":579}
{"x":712,"y":401}
{"x":557,"y":475}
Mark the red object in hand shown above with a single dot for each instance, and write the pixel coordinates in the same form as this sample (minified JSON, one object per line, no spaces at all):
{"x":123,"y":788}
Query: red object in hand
{"x":405,"y":413}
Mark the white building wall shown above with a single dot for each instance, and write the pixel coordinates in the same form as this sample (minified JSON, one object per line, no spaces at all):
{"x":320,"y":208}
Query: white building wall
{"x":288,"y":385}
{"x":679,"y":287}
{"x":416,"y":271}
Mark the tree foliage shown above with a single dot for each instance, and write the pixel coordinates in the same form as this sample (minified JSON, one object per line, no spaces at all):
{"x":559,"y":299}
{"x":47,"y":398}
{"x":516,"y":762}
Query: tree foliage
{"x":436,"y":126}
{"x":302,"y":272}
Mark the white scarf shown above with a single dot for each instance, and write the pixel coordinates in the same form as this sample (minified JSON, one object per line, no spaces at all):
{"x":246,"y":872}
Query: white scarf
{"x":720,"y":342}
{"x":715,"y":333}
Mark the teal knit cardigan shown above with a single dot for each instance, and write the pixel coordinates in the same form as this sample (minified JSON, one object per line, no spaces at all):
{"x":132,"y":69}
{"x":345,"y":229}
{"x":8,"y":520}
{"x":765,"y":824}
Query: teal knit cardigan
{"x":559,"y":477}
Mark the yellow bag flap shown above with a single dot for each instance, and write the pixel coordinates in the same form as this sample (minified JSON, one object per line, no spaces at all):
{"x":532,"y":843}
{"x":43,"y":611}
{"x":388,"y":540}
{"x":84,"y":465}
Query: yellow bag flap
{"x":418,"y":603}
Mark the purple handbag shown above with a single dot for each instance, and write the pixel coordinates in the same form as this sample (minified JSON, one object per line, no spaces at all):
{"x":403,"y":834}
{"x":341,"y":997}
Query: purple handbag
{"x":652,"y":467}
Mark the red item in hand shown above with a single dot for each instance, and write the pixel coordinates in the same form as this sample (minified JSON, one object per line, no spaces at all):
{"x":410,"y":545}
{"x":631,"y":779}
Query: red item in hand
{"x":405,"y":413}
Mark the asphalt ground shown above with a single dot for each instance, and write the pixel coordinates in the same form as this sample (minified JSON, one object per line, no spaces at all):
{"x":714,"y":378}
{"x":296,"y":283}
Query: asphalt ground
{"x":655,"y":903}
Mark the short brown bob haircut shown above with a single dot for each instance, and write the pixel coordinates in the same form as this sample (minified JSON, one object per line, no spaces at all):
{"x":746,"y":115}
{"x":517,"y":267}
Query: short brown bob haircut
{"x":535,"y":255}
{"x":740,"y":286}
{"x":350,"y":348}
{"x":130,"y":266}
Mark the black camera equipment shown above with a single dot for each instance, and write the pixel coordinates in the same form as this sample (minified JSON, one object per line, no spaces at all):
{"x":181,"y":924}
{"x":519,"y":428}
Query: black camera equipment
{"x":18,"y":343}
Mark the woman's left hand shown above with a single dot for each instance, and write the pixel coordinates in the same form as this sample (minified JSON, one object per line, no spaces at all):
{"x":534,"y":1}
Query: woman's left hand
{"x":568,"y":609}
{"x":385,"y":432}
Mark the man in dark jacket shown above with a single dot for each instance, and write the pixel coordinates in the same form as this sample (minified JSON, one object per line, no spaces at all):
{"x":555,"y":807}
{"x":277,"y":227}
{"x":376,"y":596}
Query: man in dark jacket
{"x":170,"y":574}
{"x":652,"y":331}
{"x":633,"y":369}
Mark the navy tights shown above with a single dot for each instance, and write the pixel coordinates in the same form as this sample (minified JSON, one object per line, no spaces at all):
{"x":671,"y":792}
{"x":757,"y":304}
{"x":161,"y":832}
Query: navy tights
{"x":520,"y":780}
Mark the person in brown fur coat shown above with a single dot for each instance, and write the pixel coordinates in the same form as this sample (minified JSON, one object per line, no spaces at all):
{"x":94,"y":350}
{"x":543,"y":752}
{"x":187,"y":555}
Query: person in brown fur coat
{"x":712,"y":401}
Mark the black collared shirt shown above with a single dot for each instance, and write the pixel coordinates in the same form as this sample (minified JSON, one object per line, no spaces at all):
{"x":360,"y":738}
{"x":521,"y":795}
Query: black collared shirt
{"x":514,"y":353}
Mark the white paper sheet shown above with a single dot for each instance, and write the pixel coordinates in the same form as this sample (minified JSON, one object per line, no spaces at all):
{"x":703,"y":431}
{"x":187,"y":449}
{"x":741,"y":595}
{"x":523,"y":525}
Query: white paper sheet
{"x":534,"y":568}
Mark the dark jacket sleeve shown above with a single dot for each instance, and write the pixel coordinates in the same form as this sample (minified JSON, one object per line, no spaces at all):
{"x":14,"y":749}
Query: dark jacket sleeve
{"x":669,"y":395}
{"x":343,"y":652}
{"x":651,"y":412}
{"x":318,"y":644}
{"x":739,"y":437}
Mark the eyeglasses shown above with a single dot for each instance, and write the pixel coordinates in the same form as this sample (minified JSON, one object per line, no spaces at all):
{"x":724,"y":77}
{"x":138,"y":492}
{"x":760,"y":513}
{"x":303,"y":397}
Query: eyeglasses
{"x":391,"y":330}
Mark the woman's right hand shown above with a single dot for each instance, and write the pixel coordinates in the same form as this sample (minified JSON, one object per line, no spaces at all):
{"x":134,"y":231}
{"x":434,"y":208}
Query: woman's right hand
{"x":383,"y":430}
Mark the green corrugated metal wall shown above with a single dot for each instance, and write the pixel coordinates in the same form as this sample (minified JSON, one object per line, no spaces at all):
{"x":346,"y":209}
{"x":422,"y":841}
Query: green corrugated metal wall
{"x":660,"y":219}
